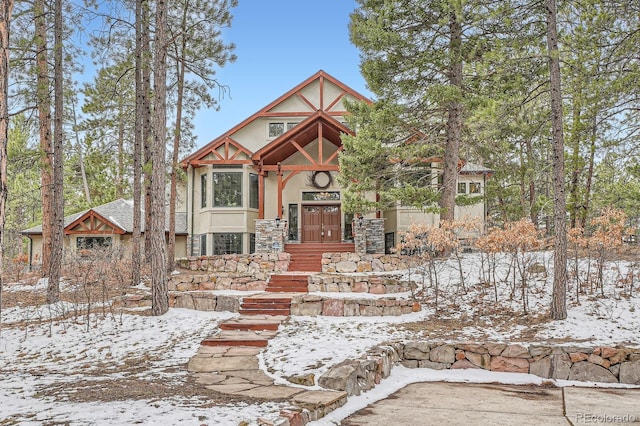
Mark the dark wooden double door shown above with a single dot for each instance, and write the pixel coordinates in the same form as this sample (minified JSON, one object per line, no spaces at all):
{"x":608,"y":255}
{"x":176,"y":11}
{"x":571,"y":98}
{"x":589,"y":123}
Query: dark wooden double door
{"x":321,"y":224}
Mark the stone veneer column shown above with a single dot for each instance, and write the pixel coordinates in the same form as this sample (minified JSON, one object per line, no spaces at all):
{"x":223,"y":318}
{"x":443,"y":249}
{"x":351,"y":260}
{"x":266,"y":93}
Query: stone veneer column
{"x":375,"y":236}
{"x":360,"y":235}
{"x":270,"y":235}
{"x":369,"y":236}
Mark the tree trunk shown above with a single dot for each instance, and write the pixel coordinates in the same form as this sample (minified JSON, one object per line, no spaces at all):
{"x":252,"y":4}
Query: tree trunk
{"x":454,"y":122}
{"x":57,"y":231}
{"x":146,"y":124}
{"x":159,"y":290}
{"x":559,"y":297}
{"x":137,"y":150}
{"x":180,"y":71}
{"x":44,"y":115}
{"x":5,"y":20}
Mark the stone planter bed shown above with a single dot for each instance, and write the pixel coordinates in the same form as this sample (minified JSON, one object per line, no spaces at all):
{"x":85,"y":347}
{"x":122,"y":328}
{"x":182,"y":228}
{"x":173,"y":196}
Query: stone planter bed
{"x":600,"y":364}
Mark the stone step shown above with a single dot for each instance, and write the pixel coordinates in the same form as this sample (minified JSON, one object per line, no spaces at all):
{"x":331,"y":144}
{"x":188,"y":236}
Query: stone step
{"x":288,"y":289}
{"x":266,"y":299}
{"x":273,"y":312}
{"x":239,"y":338}
{"x":265,"y":305}
{"x":251,"y":323}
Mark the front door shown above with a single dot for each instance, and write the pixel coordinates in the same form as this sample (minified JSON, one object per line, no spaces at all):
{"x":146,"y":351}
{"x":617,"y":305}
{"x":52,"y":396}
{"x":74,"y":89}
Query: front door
{"x":321,"y":224}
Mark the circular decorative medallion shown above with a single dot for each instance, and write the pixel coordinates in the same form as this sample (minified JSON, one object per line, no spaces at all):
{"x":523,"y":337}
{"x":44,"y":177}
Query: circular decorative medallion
{"x":321,"y":179}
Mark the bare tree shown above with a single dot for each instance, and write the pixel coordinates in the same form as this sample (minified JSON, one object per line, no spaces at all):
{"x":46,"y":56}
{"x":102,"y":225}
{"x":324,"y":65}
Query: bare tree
{"x":159,"y":290}
{"x":559,"y":297}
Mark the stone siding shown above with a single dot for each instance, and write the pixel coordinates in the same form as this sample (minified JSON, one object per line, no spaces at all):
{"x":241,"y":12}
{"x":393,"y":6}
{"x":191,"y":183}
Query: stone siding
{"x":368,"y":235}
{"x":601,"y":364}
{"x":270,"y":235}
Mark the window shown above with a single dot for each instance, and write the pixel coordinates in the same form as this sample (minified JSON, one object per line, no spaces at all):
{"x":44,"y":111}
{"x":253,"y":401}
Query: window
{"x":227,"y":189}
{"x":474,"y":188}
{"x":203,"y":190}
{"x":252,"y":243}
{"x":253,"y":191}
{"x":389,"y":242}
{"x":348,"y":226}
{"x":278,"y":128}
{"x":321,"y":196}
{"x":228,"y":243}
{"x":462,"y":187}
{"x":293,"y":222}
{"x":203,"y":245}
{"x":90,"y":243}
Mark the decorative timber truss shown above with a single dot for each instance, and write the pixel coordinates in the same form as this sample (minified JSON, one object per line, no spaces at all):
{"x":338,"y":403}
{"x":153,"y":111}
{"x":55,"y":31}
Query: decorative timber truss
{"x":93,"y":223}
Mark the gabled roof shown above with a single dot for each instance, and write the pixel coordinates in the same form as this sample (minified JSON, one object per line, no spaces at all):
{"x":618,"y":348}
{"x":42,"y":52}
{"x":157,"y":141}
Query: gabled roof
{"x":320,"y":75}
{"x":301,"y":135}
{"x":115,"y":217}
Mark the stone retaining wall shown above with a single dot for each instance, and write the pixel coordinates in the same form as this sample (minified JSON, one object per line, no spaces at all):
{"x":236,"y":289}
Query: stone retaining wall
{"x":243,"y":272}
{"x":197,"y":300}
{"x":353,"y":262}
{"x":312,"y":305}
{"x":357,"y":283}
{"x":601,"y":364}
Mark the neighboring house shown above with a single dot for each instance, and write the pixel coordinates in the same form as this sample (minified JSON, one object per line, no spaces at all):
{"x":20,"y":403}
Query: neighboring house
{"x":282,"y":162}
{"x":107,"y":225}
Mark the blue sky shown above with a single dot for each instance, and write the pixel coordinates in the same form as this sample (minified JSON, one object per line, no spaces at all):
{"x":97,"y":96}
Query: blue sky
{"x":279,"y":44}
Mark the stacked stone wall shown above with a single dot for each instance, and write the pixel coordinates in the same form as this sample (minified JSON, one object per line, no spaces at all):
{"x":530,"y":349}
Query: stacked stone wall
{"x":242,"y":272}
{"x":357,"y":283}
{"x":312,"y":305}
{"x":602,"y":364}
{"x":354,"y":262}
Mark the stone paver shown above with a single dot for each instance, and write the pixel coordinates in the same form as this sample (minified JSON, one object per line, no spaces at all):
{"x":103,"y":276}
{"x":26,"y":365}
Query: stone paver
{"x":602,"y":406}
{"x":209,"y":365}
{"x":494,"y":404}
{"x":271,"y":392}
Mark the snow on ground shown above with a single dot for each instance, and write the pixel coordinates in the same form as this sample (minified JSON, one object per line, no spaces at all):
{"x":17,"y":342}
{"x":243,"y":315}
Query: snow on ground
{"x":40,"y":355}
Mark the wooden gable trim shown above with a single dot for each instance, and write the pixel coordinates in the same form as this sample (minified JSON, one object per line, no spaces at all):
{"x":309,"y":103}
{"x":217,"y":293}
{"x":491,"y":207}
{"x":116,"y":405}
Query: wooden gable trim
{"x":289,"y":136}
{"x":265,"y":112}
{"x":228,"y":143}
{"x":97,"y":224}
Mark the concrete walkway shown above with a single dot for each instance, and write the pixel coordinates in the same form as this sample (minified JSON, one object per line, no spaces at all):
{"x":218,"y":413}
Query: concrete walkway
{"x":494,"y":404}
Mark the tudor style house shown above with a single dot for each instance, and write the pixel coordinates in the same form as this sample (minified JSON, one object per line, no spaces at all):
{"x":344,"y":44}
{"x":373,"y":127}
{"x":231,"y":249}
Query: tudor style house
{"x":281,"y":162}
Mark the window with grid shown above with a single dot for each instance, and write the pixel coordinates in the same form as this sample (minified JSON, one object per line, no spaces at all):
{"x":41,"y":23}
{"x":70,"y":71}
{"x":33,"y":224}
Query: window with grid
{"x":203,"y":190}
{"x":253,"y":191}
{"x":278,"y":128}
{"x":462,"y":187}
{"x":90,"y":243}
{"x":227,"y":189}
{"x":203,"y":245}
{"x":475,"y":188}
{"x":227,"y":243}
